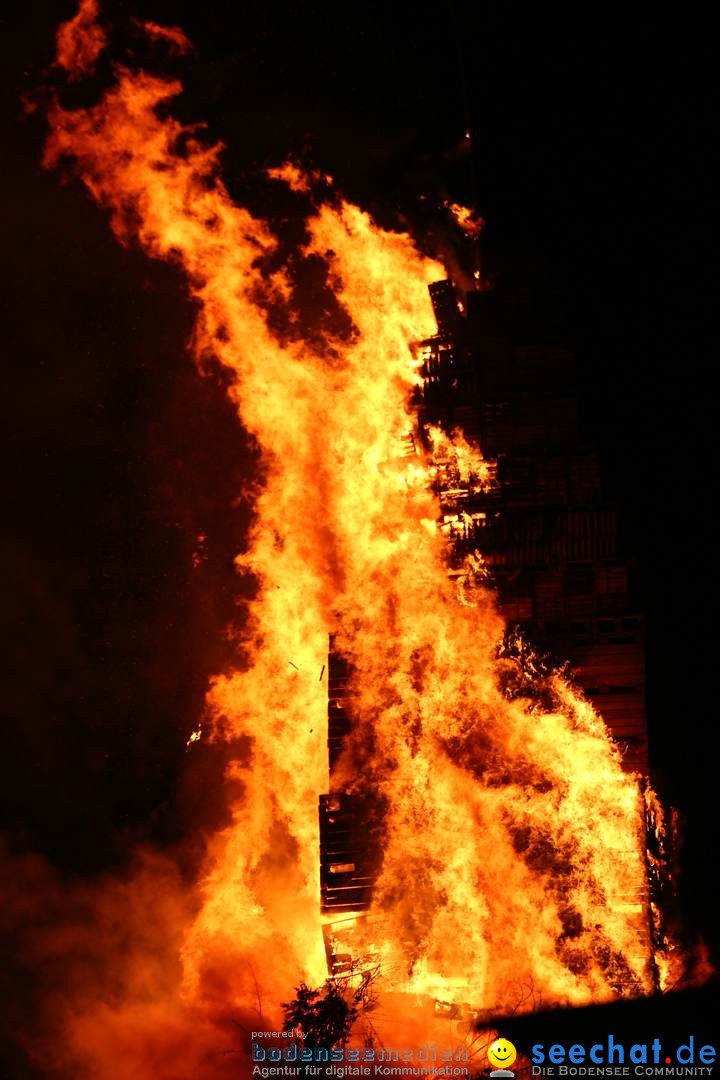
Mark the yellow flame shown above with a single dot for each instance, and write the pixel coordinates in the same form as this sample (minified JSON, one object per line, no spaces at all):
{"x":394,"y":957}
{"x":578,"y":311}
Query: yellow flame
{"x":512,"y":837}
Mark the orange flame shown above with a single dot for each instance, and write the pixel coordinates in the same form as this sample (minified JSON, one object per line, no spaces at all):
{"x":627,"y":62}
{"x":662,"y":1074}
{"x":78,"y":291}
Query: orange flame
{"x":470,"y":223}
{"x":80,"y":40}
{"x":513,"y":838}
{"x":296,"y":178}
{"x":176,"y":38}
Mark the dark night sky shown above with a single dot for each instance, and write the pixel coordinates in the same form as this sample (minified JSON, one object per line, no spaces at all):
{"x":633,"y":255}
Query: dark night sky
{"x":592,"y":143}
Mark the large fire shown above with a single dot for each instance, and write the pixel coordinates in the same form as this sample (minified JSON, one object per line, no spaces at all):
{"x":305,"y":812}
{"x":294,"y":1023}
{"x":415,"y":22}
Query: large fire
{"x":513,"y":841}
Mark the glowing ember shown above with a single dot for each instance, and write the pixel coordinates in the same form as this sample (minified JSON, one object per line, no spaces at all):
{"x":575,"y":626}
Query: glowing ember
{"x":513,"y":842}
{"x":469,"y":222}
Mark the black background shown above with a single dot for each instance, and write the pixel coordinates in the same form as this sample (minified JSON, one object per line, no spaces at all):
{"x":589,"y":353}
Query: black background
{"x":592,"y":140}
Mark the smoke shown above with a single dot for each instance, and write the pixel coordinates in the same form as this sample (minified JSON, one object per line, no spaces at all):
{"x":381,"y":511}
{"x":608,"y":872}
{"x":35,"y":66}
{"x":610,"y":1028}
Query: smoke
{"x":95,"y":973}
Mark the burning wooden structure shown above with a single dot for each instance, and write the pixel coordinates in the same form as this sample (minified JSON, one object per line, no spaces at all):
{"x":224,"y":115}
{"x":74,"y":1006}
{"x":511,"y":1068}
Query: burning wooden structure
{"x":547,"y":535}
{"x":546,"y":528}
{"x":475,"y":838}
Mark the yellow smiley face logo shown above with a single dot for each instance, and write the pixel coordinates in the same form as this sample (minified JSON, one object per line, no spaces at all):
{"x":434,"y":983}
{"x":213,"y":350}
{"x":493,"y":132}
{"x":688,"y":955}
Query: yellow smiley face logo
{"x":501,"y":1054}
